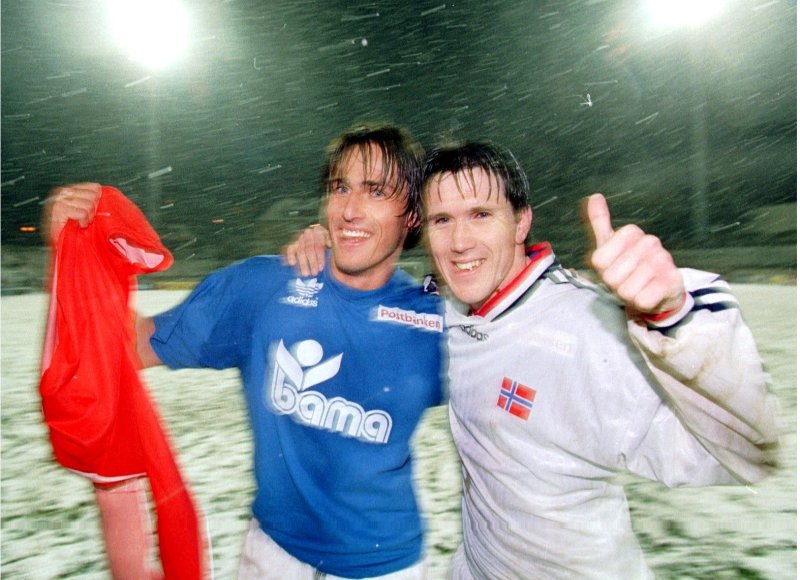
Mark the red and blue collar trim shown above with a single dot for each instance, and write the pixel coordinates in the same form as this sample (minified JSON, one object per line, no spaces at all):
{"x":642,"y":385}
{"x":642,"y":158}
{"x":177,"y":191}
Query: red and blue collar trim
{"x":541,"y":258}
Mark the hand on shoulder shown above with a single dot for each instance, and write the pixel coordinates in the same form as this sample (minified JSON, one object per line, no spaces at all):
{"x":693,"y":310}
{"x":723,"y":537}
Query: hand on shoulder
{"x":307,"y":251}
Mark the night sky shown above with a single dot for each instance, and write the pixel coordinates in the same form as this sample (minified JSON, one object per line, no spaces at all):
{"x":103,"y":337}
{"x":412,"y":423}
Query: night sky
{"x":687,"y":131}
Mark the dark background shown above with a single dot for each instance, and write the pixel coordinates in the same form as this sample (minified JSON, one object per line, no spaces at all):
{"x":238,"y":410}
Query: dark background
{"x":692,"y":134}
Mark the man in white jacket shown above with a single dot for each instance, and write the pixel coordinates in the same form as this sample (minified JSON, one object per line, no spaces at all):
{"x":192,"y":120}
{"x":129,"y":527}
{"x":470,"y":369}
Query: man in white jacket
{"x":557,"y":384}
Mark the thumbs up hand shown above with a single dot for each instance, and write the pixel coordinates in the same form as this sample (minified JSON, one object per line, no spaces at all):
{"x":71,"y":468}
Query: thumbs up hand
{"x":632,"y":264}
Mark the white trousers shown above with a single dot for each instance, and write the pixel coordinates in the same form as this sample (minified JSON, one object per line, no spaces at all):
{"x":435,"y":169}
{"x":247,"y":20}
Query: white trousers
{"x":263,"y":559}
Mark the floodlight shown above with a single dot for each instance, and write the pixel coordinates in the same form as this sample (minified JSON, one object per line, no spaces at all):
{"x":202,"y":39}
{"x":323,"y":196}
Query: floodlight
{"x":683,"y":13}
{"x":153,"y":32}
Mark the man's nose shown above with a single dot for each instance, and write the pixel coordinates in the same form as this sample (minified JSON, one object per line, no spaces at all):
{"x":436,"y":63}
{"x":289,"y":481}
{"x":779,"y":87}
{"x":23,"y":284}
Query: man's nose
{"x":462,"y":237}
{"x":353,"y":206}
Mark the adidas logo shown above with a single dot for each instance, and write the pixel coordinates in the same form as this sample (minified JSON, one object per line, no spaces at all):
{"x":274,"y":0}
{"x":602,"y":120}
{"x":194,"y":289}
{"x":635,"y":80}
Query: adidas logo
{"x":303,"y":293}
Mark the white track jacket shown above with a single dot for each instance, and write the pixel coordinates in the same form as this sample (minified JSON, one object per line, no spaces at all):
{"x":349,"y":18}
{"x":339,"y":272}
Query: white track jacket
{"x":554,"y":390}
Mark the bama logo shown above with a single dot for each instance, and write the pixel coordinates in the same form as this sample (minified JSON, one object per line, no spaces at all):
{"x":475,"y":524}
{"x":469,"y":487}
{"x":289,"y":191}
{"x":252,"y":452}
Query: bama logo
{"x":303,"y":293}
{"x":421,"y":320}
{"x":287,"y":393}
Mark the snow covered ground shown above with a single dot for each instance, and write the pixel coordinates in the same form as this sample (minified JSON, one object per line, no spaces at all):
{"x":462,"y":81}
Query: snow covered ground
{"x":49,"y":521}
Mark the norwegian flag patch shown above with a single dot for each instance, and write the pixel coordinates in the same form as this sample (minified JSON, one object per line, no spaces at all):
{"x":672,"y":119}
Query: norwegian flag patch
{"x":515,"y":398}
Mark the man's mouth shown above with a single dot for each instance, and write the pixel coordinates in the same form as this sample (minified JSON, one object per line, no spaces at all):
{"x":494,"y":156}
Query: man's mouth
{"x":468,"y":266}
{"x":354,"y":234}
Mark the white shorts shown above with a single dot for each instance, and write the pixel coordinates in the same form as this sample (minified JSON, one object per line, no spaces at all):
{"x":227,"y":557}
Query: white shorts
{"x":459,"y":570}
{"x":263,"y":559}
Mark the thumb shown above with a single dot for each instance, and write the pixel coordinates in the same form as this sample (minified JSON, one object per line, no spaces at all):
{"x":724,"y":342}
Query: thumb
{"x":597,"y":214}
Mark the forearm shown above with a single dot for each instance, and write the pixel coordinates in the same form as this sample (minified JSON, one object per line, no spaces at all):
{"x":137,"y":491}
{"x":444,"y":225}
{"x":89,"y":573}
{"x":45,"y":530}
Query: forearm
{"x":712,"y":375}
{"x":145,"y":327}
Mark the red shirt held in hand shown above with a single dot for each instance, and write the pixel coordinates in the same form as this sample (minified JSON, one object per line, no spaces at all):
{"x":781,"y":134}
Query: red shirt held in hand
{"x":102,"y":421}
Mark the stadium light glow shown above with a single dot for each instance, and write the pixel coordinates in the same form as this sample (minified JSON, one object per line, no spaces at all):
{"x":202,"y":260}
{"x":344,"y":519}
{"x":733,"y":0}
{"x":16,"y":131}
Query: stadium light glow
{"x":683,"y":13}
{"x":153,"y":32}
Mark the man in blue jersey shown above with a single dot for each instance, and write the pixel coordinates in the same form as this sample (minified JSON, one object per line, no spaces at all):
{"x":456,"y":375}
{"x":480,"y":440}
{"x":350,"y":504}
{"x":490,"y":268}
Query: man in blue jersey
{"x":557,"y":385}
{"x":337,"y":370}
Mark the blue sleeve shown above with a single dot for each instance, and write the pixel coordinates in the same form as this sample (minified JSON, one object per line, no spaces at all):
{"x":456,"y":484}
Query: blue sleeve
{"x":212,"y":328}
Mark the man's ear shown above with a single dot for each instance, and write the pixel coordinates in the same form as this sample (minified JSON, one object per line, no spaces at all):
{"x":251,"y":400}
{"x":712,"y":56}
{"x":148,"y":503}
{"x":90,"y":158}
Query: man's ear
{"x":524,"y":220}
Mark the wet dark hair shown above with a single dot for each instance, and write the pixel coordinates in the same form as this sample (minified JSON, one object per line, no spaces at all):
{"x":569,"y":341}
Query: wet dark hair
{"x":402,"y":164}
{"x":497,"y":161}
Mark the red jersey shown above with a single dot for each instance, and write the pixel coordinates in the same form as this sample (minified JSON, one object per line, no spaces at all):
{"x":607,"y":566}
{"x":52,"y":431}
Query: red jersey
{"x":101,"y":419}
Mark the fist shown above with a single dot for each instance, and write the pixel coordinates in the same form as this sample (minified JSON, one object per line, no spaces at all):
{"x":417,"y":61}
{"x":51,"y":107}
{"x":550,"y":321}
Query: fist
{"x":70,"y":202}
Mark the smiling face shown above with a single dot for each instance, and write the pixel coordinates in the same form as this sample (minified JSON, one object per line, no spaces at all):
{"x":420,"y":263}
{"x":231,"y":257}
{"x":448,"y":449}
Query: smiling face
{"x":367,"y":219}
{"x":475,"y":237}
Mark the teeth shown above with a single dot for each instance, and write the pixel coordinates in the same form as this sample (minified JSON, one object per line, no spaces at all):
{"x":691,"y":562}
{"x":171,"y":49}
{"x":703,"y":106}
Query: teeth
{"x":354,"y":234}
{"x":468,"y":265}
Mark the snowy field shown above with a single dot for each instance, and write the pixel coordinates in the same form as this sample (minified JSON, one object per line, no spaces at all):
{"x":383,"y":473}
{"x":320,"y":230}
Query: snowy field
{"x":49,"y":521}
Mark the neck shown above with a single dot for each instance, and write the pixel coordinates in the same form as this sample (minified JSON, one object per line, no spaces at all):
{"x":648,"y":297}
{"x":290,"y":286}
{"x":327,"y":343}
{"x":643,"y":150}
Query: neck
{"x":521,"y":262}
{"x":369,"y":279}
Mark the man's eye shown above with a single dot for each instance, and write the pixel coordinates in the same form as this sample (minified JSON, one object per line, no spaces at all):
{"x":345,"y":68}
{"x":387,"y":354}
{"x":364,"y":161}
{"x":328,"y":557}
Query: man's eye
{"x":438,"y":220}
{"x":482,"y":214}
{"x":339,"y":188}
{"x":377,"y":193}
